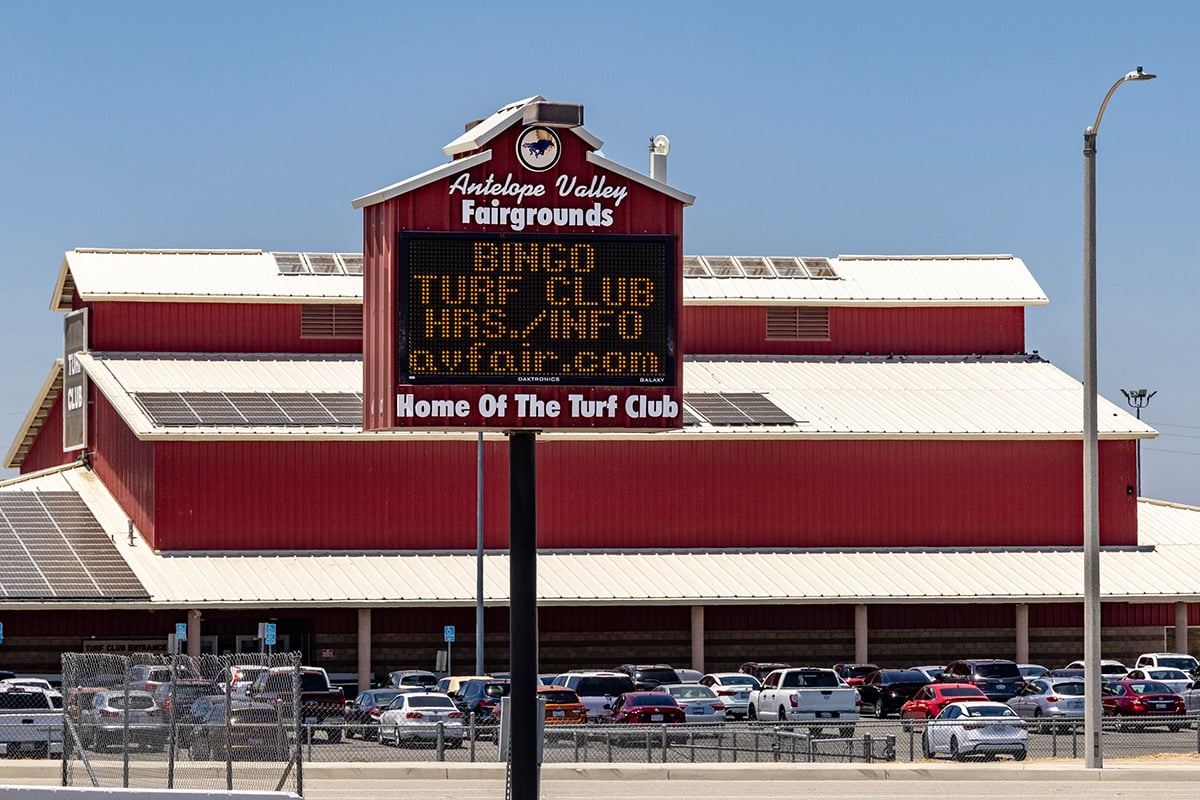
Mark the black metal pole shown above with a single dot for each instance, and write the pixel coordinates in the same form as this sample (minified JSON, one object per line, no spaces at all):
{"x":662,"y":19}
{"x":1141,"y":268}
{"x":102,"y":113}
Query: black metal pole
{"x":522,"y":587}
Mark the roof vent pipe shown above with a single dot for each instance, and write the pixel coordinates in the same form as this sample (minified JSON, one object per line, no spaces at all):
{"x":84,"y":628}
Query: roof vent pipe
{"x":659,"y":147}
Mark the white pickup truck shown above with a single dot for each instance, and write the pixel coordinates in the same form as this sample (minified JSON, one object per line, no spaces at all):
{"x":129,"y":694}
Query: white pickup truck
{"x":806,"y":694}
{"x":30,"y":725}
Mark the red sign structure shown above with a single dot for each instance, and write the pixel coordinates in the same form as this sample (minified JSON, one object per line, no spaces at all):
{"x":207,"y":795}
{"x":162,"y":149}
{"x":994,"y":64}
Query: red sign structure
{"x":528,"y":284}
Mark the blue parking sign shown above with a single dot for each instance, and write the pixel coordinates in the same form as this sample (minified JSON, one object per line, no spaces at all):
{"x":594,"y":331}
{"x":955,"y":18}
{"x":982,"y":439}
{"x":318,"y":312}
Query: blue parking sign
{"x":269,"y":633}
{"x":449,"y":633}
{"x":181,"y":631}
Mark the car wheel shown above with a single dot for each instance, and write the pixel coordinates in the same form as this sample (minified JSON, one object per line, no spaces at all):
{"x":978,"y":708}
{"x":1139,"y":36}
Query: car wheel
{"x":198,"y":750}
{"x":846,"y":731}
{"x":1175,"y":727}
{"x":751,"y":714}
{"x":1039,"y":723}
{"x":782,"y":714}
{"x":879,"y":712}
{"x":454,"y":744}
{"x":954,"y":753}
{"x":906,"y":724}
{"x":926,"y":752}
{"x":334,"y":735}
{"x":1019,"y":755}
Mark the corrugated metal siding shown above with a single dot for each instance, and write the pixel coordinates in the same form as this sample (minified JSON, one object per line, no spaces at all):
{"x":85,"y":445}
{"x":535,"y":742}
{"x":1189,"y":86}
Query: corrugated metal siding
{"x":125,"y":465}
{"x":643,"y":494}
{"x":879,"y":331}
{"x":826,"y":494}
{"x":430,"y":208}
{"x":47,"y":448}
{"x":205,"y":328}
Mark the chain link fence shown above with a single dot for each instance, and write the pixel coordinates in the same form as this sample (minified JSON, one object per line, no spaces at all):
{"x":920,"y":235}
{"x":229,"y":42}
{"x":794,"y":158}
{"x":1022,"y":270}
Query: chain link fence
{"x":151,"y":720}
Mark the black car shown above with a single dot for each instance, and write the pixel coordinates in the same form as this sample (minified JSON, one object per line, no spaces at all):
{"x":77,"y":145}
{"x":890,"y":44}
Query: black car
{"x":255,"y":730}
{"x":362,"y":713}
{"x":178,"y":699}
{"x":481,"y":697}
{"x":886,"y":690}
{"x":998,"y":678}
{"x":649,"y":676}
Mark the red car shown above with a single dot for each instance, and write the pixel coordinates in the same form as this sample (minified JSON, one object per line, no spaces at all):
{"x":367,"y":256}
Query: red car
{"x":1136,"y":698}
{"x":634,"y":708}
{"x":929,"y":700}
{"x":854,"y":674}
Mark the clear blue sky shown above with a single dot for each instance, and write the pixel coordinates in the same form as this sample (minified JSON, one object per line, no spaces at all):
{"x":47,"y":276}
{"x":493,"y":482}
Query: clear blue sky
{"x":802,"y":129}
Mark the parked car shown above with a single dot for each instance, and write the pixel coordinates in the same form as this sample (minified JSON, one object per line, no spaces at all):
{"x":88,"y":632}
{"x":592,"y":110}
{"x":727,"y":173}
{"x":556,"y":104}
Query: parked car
{"x":887,"y":690}
{"x":41,"y":684}
{"x":981,"y":727}
{"x":761,"y":669}
{"x":452,"y":684}
{"x":1177,"y":660}
{"x":320,"y":701}
{"x":597,"y":690}
{"x":1191,"y":697}
{"x":1029,"y":671}
{"x":1109,"y":668}
{"x":633,"y":708}
{"x":930,"y":671}
{"x":648,"y":676}
{"x":363,"y":712}
{"x":1049,"y":698}
{"x":854,"y":674}
{"x":30,"y":725}
{"x":700,"y":704}
{"x":177,"y":698}
{"x":733,"y":688}
{"x":102,"y":723}
{"x":148,"y":677}
{"x":929,"y":700}
{"x":998,"y":678}
{"x":412,"y":678}
{"x":415,"y":716}
{"x":255,"y":730}
{"x":1144,"y":700}
{"x":241,"y":676}
{"x":481,"y":697}
{"x":1176,"y":680}
{"x":811,"y":695}
{"x":562,"y":706}
{"x":689,"y":675}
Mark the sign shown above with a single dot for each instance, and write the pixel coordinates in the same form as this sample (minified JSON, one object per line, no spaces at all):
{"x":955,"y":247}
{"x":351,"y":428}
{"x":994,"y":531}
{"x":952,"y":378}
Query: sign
{"x":326,"y":653}
{"x":558,"y":318}
{"x":75,"y":391}
{"x":269,"y":633}
{"x":448,"y":633}
{"x":181,"y":631}
{"x":1,"y":632}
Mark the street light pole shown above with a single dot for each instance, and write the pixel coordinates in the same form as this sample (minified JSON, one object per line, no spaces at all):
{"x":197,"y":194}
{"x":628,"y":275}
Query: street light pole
{"x":1138,"y":399}
{"x":1093,"y":757}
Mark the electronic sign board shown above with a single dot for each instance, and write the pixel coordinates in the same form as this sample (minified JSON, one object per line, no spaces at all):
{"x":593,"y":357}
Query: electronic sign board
{"x":550,"y":309}
{"x":535,"y":311}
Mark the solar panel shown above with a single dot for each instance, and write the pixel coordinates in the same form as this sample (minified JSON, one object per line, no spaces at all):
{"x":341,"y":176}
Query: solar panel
{"x":304,"y":409}
{"x":213,"y":408}
{"x":820,"y":268}
{"x":789,"y":268}
{"x":290,"y":264}
{"x":345,"y":408}
{"x":323,"y":263}
{"x":756,"y":267}
{"x":689,"y":418}
{"x":737,"y":408}
{"x":52,"y":547}
{"x":258,"y":408}
{"x":693,"y":267}
{"x":166,"y":408}
{"x":723,"y":266}
{"x":352,"y":263}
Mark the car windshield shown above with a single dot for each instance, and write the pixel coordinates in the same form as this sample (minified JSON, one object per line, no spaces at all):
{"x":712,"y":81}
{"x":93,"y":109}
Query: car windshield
{"x":989,"y":711}
{"x":380,"y":698}
{"x":690,"y":692}
{"x":655,"y":699}
{"x":1069,"y":688}
{"x":1167,"y":674}
{"x":431,"y":701}
{"x":825,"y":679}
{"x":417,"y":680}
{"x":24,"y":701}
{"x":859,"y":671}
{"x":997,"y":671}
{"x":604,"y":686}
{"x":565,"y":697}
{"x":1186,"y":663}
{"x":1150,"y":687}
{"x":497,"y":689}
{"x":659,"y":674}
{"x":739,"y":680}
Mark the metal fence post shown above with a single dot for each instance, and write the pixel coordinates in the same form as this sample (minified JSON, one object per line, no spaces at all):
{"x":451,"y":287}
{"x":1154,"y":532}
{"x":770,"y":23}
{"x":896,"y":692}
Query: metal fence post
{"x":868,"y":755}
{"x":125,"y":730}
{"x":172,"y":734}
{"x":297,"y":723}
{"x":441,"y":741}
{"x":229,"y":726}
{"x":471,"y":733}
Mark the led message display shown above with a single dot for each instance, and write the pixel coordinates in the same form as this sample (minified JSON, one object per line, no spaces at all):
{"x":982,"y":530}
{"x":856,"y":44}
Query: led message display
{"x":536,"y":309}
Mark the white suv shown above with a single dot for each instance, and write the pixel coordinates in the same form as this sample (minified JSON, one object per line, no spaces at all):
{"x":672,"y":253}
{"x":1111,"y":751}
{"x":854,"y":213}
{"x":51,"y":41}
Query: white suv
{"x":596,"y":690}
{"x":1177,"y":660}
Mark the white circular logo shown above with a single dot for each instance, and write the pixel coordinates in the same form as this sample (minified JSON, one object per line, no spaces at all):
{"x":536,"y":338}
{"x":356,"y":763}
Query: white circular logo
{"x":538,"y":148}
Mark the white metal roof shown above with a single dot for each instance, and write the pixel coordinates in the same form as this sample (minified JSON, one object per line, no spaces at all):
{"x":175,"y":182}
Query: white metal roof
{"x":254,"y":276}
{"x":851,"y":397}
{"x":191,"y":275}
{"x":998,"y":280}
{"x":1164,"y":568}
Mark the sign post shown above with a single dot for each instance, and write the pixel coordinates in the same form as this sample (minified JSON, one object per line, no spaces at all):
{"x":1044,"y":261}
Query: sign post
{"x":448,"y":636}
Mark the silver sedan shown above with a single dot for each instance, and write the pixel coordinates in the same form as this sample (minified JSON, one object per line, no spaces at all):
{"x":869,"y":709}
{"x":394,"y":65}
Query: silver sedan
{"x":700,"y":704}
{"x":1049,"y":698}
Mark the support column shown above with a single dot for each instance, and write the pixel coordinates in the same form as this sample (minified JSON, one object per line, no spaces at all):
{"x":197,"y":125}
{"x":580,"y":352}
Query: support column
{"x":364,"y":649}
{"x":193,"y":630}
{"x":1181,"y":627}
{"x":1022,"y":626}
{"x":698,"y":638}
{"x":860,"y":634}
